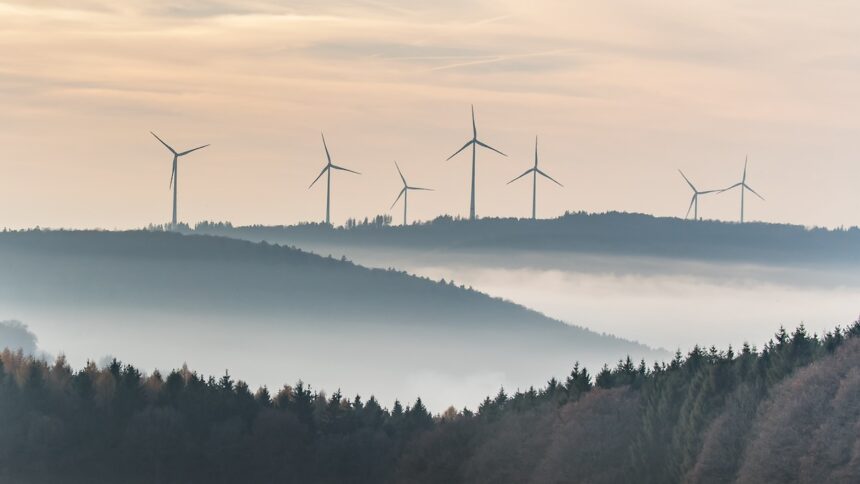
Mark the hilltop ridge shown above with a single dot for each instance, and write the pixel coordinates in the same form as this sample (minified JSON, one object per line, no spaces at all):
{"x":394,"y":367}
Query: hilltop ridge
{"x":612,"y":233}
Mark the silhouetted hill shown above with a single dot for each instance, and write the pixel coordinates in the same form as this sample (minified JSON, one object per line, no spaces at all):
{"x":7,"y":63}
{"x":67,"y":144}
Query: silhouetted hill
{"x":277,"y":305}
{"x":607,"y":233}
{"x":169,"y":270}
{"x":205,"y":273}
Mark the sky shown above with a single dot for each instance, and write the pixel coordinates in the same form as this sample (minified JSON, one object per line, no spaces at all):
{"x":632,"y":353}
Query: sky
{"x":622,"y":94}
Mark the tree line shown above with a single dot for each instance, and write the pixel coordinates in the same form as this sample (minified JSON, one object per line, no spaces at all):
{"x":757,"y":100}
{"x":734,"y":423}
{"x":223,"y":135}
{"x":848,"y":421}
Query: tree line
{"x":599,"y":233}
{"x":783,"y":413}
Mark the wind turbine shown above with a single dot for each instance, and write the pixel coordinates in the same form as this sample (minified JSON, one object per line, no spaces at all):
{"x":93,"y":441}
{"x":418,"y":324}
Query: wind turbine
{"x":474,"y":142}
{"x":174,"y":174}
{"x":744,"y":188}
{"x":327,"y":171}
{"x":694,"y":202}
{"x":535,"y":171}
{"x":405,"y":192}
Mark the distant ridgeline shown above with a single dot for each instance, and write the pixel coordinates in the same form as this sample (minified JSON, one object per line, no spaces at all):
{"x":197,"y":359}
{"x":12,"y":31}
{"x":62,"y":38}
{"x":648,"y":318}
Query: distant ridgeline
{"x":786,"y":413}
{"x":607,"y":233}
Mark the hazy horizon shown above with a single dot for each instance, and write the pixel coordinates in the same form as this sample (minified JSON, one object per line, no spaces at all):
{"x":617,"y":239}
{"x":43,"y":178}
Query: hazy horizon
{"x":621,"y":94}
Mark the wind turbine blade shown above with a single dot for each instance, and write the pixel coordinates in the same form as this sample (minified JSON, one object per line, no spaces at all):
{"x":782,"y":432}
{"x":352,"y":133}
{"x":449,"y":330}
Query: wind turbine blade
{"x":692,"y":201}
{"x":344,"y":169}
{"x":524,"y":174}
{"x":755,"y":192}
{"x":193,"y":149}
{"x":328,"y":156}
{"x":709,"y":191}
{"x":423,"y":189}
{"x":400,"y":173}
{"x":746,"y":160}
{"x":551,"y":178}
{"x":474,"y":126}
{"x":162,"y":142}
{"x":729,"y":188}
{"x":398,"y":197}
{"x":490,"y":147}
{"x":687,"y":180}
{"x":318,"y":176}
{"x":461,"y":149}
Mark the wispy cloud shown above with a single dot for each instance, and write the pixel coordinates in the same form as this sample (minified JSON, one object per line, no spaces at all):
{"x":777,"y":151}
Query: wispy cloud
{"x":532,"y":62}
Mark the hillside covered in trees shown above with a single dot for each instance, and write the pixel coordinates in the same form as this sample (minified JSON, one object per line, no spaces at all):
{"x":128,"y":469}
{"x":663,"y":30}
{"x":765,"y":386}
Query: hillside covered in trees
{"x":270,"y":307}
{"x":788,"y":412}
{"x":613,"y":233}
{"x":169,"y":270}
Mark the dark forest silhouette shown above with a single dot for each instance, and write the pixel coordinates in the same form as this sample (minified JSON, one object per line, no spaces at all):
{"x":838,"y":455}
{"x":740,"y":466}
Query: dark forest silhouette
{"x":786,"y":413}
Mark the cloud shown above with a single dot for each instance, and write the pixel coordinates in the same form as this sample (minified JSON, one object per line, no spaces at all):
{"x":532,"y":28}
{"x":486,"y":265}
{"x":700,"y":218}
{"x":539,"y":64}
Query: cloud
{"x":392,"y":51}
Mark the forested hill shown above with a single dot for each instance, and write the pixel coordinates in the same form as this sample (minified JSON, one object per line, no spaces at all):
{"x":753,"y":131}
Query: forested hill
{"x":271,"y":307}
{"x":606,"y":233}
{"x":786,"y":413}
{"x":206,"y":273}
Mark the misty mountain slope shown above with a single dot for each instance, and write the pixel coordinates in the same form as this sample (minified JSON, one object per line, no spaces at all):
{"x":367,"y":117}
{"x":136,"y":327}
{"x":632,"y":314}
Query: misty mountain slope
{"x":193,"y":297}
{"x":663,"y":281}
{"x":204,"y":273}
{"x":625,"y":234}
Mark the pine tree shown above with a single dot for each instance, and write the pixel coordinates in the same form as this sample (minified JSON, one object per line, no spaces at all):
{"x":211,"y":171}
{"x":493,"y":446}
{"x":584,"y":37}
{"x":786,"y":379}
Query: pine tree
{"x":605,"y":379}
{"x":418,"y":418}
{"x":262,"y":397}
{"x":226,"y":383}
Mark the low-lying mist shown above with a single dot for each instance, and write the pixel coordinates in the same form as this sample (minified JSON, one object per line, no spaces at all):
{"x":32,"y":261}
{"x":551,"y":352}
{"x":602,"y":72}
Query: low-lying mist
{"x":659,"y":302}
{"x":419,"y":362}
{"x":664,"y":310}
{"x":274,"y":315}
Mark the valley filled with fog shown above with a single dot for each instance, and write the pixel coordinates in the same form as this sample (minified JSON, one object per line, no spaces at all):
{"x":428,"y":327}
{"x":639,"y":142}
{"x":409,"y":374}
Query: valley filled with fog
{"x":669,"y":311}
{"x":660,"y":302}
{"x":665,"y":282}
{"x":274,"y":315}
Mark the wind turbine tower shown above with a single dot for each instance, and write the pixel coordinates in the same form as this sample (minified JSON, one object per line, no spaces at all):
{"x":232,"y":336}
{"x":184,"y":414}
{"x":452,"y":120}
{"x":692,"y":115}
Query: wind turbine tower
{"x":535,"y":171}
{"x":174,"y":174}
{"x":474,"y":143}
{"x":327,"y":171}
{"x":694,"y":202}
{"x":744,"y":187}
{"x":405,"y":192}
